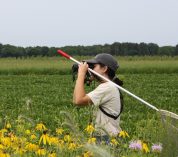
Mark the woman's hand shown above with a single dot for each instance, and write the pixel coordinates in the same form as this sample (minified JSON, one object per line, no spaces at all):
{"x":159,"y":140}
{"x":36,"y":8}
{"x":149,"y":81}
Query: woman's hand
{"x":80,"y":97}
{"x":83,"y":68}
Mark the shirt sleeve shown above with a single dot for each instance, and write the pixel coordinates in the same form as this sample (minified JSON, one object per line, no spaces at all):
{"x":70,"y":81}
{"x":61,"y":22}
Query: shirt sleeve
{"x":100,"y":95}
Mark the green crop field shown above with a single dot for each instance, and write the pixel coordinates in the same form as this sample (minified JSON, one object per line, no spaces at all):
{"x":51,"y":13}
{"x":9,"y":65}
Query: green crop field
{"x":39,"y":90}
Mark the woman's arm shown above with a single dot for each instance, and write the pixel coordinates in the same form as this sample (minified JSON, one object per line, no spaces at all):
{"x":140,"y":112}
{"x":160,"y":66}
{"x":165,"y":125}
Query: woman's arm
{"x":79,"y":96}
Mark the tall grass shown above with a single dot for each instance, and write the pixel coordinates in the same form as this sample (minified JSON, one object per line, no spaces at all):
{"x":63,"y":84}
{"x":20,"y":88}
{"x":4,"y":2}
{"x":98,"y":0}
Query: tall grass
{"x":59,"y":65}
{"x":37,"y":65}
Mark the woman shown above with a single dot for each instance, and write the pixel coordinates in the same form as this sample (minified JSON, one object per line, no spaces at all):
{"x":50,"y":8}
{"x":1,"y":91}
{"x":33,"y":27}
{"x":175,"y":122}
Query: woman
{"x":106,"y":96}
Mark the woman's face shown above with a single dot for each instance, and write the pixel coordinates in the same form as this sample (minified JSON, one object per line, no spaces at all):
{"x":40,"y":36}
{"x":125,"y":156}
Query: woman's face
{"x":100,"y":69}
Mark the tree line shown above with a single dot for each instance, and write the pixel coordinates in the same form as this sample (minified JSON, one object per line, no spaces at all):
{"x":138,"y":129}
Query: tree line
{"x":118,"y":49}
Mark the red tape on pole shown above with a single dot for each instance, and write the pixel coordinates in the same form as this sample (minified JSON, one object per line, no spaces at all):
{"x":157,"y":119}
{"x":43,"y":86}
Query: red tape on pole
{"x":63,"y":54}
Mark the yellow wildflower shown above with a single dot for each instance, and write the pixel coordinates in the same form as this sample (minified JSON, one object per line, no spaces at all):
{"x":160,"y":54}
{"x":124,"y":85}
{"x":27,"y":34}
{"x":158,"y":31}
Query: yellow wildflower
{"x":67,"y":138}
{"x":1,"y":147}
{"x":52,"y":154}
{"x":8,"y":126}
{"x":72,"y":146}
{"x":54,"y":140}
{"x":33,"y":137}
{"x":92,"y":140}
{"x":80,"y":145}
{"x":14,"y":138}
{"x":22,"y":140}
{"x":61,"y":143}
{"x":145,"y":148}
{"x":20,"y":150}
{"x":41,"y":151}
{"x":2,"y":131}
{"x":59,"y":131}
{"x":90,"y":128}
{"x":123,"y":134}
{"x":27,"y":132}
{"x":41,"y":127}
{"x":114,"y":142}
{"x":31,"y":147}
{"x":45,"y":138}
{"x":88,"y":154}
{"x":2,"y":154}
{"x":6,"y":141}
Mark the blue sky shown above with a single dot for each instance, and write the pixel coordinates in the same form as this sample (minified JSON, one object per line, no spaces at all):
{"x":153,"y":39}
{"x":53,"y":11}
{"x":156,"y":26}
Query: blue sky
{"x":88,"y":22}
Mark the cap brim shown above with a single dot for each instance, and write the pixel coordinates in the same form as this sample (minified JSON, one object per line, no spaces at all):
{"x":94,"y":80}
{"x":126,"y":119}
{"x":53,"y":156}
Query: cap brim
{"x":91,"y":61}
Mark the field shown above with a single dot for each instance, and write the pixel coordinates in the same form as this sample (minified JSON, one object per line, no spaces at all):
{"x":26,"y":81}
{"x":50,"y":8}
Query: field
{"x":39,"y":90}
{"x":59,"y":65}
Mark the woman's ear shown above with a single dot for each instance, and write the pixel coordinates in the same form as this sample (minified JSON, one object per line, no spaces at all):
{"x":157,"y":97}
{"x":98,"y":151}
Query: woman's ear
{"x":105,"y":68}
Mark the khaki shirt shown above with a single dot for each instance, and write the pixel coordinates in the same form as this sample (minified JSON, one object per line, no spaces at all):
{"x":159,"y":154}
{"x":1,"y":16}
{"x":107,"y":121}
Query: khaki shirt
{"x":108,"y":96}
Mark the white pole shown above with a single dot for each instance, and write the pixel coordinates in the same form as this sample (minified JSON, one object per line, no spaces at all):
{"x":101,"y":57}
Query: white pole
{"x":122,"y":89}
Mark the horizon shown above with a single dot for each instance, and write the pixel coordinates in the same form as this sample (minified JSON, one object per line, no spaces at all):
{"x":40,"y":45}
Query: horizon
{"x":87,"y":45}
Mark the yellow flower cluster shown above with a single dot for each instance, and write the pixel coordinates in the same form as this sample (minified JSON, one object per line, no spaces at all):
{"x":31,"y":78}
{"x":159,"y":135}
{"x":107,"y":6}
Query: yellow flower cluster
{"x":40,"y":142}
{"x":92,"y":140}
{"x":123,"y":134}
{"x":145,"y":148}
{"x":41,"y":127}
{"x":90,"y":129}
{"x":34,"y":141}
{"x":114,"y":142}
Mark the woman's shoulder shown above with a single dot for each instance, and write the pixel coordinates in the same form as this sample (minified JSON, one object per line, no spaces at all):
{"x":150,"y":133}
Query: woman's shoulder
{"x":108,"y":85}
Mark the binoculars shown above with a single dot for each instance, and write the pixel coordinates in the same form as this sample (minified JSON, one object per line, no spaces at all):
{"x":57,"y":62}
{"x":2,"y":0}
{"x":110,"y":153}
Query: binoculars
{"x":87,"y":80}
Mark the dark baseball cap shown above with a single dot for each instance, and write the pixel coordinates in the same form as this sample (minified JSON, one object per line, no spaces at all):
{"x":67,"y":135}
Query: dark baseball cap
{"x":106,"y":59}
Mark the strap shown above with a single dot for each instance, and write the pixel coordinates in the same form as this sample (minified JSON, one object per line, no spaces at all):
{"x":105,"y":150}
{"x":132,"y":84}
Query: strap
{"x":109,"y":115}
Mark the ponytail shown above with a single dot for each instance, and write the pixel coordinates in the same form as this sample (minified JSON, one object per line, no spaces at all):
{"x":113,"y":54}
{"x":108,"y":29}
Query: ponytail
{"x":119,"y":82}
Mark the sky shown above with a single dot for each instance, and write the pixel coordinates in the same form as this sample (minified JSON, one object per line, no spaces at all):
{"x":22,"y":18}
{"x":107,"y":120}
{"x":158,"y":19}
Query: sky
{"x":88,"y":22}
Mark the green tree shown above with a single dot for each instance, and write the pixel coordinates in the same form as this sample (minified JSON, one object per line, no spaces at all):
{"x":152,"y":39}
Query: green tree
{"x":133,"y":49}
{"x":106,"y":48}
{"x":33,"y":51}
{"x":153,"y":49}
{"x":167,"y":50}
{"x":52,"y":52}
{"x":1,"y":46}
{"x":143,"y":49}
{"x":44,"y":50}
{"x":8,"y":51}
{"x":176,"y":50}
{"x":20,"y":52}
{"x":116,"y":48}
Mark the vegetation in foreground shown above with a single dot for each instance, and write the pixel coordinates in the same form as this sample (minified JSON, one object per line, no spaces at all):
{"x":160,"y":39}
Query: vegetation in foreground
{"x":35,"y":99}
{"x":28,"y":139}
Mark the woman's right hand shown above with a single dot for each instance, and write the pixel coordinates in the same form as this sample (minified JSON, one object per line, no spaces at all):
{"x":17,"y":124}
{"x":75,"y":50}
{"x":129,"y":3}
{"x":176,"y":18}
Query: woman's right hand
{"x":83,"y":68}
